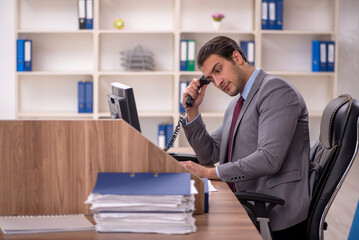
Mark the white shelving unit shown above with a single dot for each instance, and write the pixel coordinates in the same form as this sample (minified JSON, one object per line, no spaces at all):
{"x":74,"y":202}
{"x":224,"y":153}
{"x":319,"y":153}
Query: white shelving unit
{"x":64,"y":55}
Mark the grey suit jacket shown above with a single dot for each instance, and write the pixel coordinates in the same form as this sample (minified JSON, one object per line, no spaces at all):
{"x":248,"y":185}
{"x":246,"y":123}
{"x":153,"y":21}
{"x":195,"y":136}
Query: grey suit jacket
{"x":270,"y":152}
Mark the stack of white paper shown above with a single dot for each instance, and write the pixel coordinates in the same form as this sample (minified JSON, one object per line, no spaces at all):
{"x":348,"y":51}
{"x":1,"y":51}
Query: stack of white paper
{"x":124,"y":203}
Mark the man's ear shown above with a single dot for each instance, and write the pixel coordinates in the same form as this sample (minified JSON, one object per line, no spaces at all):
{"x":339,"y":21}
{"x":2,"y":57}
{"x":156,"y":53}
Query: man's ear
{"x":237,"y":57}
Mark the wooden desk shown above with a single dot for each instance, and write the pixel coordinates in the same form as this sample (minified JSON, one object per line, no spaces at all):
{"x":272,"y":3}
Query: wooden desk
{"x":226,"y":220}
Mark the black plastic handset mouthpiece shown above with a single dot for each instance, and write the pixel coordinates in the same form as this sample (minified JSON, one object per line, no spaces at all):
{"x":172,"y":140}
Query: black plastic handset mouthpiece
{"x":202,"y":81}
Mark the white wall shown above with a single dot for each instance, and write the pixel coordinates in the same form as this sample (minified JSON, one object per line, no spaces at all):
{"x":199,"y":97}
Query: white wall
{"x":7,"y":60}
{"x":348,"y":53}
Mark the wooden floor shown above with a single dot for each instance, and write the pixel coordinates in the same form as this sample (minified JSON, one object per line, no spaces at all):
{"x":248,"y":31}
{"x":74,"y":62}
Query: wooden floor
{"x":342,"y":211}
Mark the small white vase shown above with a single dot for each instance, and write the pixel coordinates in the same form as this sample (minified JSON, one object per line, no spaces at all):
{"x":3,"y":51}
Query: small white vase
{"x":217,"y":25}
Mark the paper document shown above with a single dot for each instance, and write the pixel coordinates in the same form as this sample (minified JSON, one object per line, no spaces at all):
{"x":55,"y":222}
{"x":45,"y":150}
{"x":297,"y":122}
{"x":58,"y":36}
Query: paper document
{"x":38,"y":224}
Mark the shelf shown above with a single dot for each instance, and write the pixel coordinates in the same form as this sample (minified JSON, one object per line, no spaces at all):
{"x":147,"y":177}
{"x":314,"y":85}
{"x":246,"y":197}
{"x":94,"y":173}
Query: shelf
{"x":53,"y":31}
{"x":54,"y":115}
{"x":296,"y":32}
{"x":54,"y":73}
{"x":123,"y":31}
{"x":137,"y":73}
{"x":303,"y":73}
{"x":63,"y":55}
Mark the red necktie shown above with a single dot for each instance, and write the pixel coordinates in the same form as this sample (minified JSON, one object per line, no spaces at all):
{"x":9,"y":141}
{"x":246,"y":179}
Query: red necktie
{"x":237,"y":110}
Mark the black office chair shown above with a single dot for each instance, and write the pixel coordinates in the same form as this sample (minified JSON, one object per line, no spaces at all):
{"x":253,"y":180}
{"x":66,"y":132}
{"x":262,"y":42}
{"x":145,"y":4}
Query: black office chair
{"x":334,"y":153}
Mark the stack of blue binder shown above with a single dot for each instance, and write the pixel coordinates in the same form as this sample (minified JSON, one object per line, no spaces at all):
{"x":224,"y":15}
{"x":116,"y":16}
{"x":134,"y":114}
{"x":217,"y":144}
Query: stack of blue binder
{"x":143,"y":203}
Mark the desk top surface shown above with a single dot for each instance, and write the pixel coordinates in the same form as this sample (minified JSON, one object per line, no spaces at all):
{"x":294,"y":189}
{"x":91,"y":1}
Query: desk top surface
{"x":226,"y":220}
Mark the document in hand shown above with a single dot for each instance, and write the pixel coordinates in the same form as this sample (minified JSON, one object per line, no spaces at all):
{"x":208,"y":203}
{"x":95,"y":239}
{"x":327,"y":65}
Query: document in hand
{"x":143,"y":202}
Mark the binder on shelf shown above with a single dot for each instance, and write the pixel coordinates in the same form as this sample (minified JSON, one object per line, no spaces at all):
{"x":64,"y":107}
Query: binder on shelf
{"x":191,"y":55}
{"x":88,"y":97}
{"x":271,"y":14}
{"x":81,"y":13}
{"x":323,"y":56}
{"x":161,"y":136}
{"x":315,"y":56}
{"x":264,"y":14}
{"x":89,"y":14}
{"x":183,"y":86}
{"x":20,"y":52}
{"x":279,"y":15}
{"x":81,"y":97}
{"x":248,"y":49}
{"x":330,"y":56}
{"x":169,"y":133}
{"x":183,"y":55}
{"x":24,"y":55}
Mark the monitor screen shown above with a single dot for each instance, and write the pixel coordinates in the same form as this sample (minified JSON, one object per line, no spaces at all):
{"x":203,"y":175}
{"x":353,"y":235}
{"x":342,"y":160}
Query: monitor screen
{"x":122,"y":104}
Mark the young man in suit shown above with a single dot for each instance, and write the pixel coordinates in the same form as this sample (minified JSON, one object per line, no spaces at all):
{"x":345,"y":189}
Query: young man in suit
{"x":266,"y":150}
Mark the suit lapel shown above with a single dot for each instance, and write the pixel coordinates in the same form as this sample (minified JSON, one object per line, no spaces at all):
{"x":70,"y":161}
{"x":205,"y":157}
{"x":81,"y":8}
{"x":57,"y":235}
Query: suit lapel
{"x":252,"y":93}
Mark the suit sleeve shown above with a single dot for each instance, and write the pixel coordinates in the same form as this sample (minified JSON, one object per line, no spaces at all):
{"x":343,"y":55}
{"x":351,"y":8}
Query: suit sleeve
{"x":206,"y":146}
{"x":279,"y":110}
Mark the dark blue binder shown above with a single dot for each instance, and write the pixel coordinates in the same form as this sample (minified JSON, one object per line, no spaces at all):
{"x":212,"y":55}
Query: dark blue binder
{"x":20,"y":54}
{"x":354,"y":230}
{"x":279,"y":15}
{"x":183,"y":86}
{"x":81,"y":96}
{"x":143,"y":184}
{"x":183,"y":55}
{"x":330,"y":56}
{"x":169,"y":133}
{"x":28,"y":55}
{"x":315,"y":55}
{"x":206,"y":195}
{"x":248,"y":49}
{"x":89,"y":14}
{"x":264,"y":14}
{"x":88,"y":97}
{"x":271,"y":14}
{"x":323,"y":56}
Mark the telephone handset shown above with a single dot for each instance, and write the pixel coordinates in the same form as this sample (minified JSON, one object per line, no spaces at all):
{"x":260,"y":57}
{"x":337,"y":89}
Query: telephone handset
{"x":189,"y":103}
{"x":202,"y":81}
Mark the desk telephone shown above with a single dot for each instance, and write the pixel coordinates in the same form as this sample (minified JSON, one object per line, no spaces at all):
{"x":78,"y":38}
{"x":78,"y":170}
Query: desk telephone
{"x":189,"y":103}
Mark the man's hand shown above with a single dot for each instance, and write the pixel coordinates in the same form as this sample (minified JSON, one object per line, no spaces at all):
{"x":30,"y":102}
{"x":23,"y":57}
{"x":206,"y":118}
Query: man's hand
{"x":200,"y":171}
{"x":197,"y":94}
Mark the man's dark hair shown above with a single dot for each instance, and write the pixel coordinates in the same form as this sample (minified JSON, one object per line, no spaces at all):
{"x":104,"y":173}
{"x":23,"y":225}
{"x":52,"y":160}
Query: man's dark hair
{"x":221,"y":46}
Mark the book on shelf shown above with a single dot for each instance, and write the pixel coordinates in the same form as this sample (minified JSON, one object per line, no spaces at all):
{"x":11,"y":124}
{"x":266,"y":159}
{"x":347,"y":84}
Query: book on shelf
{"x":323,"y":56}
{"x":89,"y":14}
{"x":248,"y":49}
{"x":40,"y":224}
{"x":183,"y":55}
{"x":23,"y":55}
{"x":191,"y":55}
{"x":187,"y":54}
{"x":164,"y":134}
{"x":85,"y":96}
{"x":81,"y":13}
{"x":143,"y":202}
{"x":272,"y":14}
{"x":264,"y":11}
{"x":330,"y":56}
{"x":183,"y":86}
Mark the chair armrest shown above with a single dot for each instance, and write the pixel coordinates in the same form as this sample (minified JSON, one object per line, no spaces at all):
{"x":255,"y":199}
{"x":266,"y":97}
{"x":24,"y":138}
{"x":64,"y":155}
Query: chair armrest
{"x":257,"y":197}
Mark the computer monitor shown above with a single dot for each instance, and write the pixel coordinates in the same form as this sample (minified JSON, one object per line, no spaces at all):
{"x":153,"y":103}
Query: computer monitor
{"x":122,"y":104}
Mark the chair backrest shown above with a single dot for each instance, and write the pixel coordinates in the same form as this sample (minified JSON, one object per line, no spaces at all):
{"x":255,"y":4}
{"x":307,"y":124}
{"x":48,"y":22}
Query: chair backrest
{"x":335,"y":152}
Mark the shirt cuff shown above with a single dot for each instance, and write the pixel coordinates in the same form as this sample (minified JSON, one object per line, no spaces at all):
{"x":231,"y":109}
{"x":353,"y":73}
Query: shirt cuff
{"x":192,"y":120}
{"x":217,"y":172}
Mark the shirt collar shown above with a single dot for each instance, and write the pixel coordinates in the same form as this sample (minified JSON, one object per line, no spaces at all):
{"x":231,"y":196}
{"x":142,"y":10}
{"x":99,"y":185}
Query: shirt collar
{"x":249,"y":84}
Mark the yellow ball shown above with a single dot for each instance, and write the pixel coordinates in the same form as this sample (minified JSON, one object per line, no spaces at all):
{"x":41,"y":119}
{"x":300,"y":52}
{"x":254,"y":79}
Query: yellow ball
{"x":119,"y":23}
